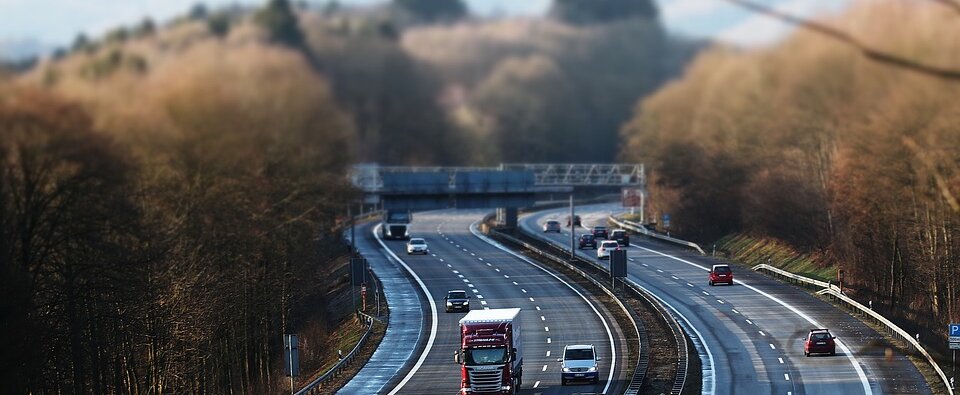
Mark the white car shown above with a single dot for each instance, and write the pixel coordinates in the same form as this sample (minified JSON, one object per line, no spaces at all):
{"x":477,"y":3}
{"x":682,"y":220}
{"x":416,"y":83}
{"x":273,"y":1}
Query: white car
{"x":603,"y":251}
{"x":417,"y":246}
{"x":579,"y":363}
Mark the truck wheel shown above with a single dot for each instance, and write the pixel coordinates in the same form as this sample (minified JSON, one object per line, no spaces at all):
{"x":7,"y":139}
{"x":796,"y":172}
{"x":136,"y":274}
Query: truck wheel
{"x":563,"y":382}
{"x":711,"y":283}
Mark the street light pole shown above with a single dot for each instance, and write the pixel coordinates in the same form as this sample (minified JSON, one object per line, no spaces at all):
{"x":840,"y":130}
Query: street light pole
{"x":573,"y":227}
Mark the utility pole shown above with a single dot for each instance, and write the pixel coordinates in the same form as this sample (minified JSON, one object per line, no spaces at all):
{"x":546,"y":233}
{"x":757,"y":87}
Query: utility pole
{"x":573,"y":233}
{"x":353,"y":235}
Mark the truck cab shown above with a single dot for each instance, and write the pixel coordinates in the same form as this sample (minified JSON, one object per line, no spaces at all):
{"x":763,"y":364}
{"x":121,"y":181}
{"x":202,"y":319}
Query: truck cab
{"x":396,"y":225}
{"x":490,"y":353}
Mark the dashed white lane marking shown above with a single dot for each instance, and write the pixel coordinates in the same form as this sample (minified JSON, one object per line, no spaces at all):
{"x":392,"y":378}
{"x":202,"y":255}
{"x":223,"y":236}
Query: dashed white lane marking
{"x":472,"y":254}
{"x":486,"y":308}
{"x":458,"y":246}
{"x":456,"y":271}
{"x":506,"y":276}
{"x":433,"y":255}
{"x":761,"y":333}
{"x":548,"y":353}
{"x":719,"y":301}
{"x":780,"y":359}
{"x":538,"y":308}
{"x":464,"y":250}
{"x":523,"y":290}
{"x":449,"y":265}
{"x":488,"y":264}
{"x":631,"y":259}
{"x":441,"y":260}
{"x":675,"y":277}
{"x":543,"y":370}
{"x":750,"y":322}
{"x":515,"y":283}
{"x":479,"y":296}
{"x":466,"y":280}
{"x":659,"y":271}
{"x":772,"y":347}
{"x":689,"y":285}
{"x":483,"y":302}
{"x":498,"y":270}
{"x":542,"y":318}
{"x":531,"y":299}
{"x":546,"y":329}
{"x":480,"y":259}
{"x":537,"y":384}
{"x":644,"y":264}
{"x":786,"y":377}
{"x":460,"y":275}
{"x":706,"y":293}
{"x":549,"y":341}
{"x":735,"y":311}
{"x":470,"y":285}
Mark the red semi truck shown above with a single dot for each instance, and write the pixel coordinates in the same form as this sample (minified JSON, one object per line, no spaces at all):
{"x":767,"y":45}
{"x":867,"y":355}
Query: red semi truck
{"x":490,"y":354}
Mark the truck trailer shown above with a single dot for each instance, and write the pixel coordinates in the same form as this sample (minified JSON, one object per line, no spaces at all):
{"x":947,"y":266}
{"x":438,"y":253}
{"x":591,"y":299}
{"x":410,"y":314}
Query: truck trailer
{"x":490,"y":353}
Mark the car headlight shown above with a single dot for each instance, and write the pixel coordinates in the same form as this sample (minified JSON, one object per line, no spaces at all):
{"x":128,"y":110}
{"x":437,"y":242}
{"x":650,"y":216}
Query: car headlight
{"x":592,"y":369}
{"x":505,"y":388}
{"x":449,"y":304}
{"x":466,"y":303}
{"x":566,"y":370}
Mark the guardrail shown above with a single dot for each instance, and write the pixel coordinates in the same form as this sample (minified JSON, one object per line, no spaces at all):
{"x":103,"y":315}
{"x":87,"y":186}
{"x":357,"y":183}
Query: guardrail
{"x":316,"y":385}
{"x":835,"y":292}
{"x":643,"y":230}
{"x":640,"y":370}
{"x":683,"y":362}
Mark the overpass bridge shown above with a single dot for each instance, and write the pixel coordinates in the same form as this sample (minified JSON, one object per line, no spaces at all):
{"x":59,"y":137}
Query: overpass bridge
{"x":507,"y":187}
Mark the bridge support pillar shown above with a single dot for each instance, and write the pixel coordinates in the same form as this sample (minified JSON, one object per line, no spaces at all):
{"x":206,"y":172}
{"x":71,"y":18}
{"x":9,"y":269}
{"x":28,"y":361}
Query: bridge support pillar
{"x":507,"y":217}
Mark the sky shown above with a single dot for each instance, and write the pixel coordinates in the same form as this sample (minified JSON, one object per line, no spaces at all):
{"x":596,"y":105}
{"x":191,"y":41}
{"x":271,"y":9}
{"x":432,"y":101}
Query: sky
{"x":50,"y":23}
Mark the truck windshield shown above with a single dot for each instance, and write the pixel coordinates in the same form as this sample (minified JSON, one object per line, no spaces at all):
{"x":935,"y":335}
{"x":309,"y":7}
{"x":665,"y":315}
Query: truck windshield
{"x":486,"y":356}
{"x":398,"y":217}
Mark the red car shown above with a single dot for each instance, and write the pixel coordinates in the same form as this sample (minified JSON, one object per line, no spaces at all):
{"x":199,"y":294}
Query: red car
{"x":721,"y":274}
{"x":820,"y":341}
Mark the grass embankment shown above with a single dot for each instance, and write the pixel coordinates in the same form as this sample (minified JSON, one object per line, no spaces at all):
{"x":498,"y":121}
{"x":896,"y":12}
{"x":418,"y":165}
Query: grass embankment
{"x":753,"y":251}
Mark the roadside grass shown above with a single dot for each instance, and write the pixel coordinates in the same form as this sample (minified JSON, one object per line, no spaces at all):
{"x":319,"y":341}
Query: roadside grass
{"x":753,"y":251}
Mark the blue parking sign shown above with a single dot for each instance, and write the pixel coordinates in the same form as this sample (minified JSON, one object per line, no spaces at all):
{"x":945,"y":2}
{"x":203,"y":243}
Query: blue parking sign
{"x":954,"y":329}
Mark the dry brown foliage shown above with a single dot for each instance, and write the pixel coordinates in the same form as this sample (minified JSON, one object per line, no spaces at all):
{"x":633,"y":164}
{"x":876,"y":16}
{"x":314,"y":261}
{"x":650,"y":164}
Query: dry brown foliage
{"x":812,"y":143}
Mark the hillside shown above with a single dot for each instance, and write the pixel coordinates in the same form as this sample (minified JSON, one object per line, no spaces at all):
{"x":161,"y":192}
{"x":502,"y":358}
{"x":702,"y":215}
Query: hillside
{"x":817,"y":146}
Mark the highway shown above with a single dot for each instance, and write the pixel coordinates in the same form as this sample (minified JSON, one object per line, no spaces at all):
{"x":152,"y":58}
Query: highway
{"x":752,"y":332}
{"x":553,"y":313}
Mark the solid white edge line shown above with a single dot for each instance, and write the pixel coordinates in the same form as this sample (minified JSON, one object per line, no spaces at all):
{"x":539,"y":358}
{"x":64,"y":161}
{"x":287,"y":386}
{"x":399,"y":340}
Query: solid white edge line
{"x":613,"y":348}
{"x":433,"y":315}
{"x":865,"y":383}
{"x":708,"y":378}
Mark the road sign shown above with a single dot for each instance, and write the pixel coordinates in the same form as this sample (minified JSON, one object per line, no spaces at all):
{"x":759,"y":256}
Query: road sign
{"x":955,"y":339}
{"x":666,"y":220}
{"x":618,"y":263}
{"x":955,"y":345}
{"x":631,"y":197}
{"x":358,"y":271}
{"x":954,"y":329}
{"x":291,"y":354}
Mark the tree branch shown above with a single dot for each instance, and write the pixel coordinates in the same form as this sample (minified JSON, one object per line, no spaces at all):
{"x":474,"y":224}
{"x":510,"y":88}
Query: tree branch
{"x":874,"y":54}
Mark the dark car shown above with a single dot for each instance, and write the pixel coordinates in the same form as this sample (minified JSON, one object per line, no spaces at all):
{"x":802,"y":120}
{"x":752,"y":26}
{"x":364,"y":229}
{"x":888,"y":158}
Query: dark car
{"x":586,"y":240}
{"x":599,"y":232}
{"x":820,"y":341}
{"x":551,"y":226}
{"x":457,"y":300}
{"x":621,"y":236}
{"x":576,"y":221}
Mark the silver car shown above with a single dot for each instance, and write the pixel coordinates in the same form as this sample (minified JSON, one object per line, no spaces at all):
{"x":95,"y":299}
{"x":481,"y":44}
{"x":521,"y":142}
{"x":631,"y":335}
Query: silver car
{"x":579,"y":363}
{"x":417,"y":246}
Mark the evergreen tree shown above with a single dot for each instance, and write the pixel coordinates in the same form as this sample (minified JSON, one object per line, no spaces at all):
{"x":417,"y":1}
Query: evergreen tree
{"x":281,"y":23}
{"x":583,"y":12}
{"x":434,"y":10}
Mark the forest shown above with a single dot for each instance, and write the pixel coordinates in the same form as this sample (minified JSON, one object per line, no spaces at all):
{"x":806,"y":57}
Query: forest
{"x":852,"y":161}
{"x":173,"y":193}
